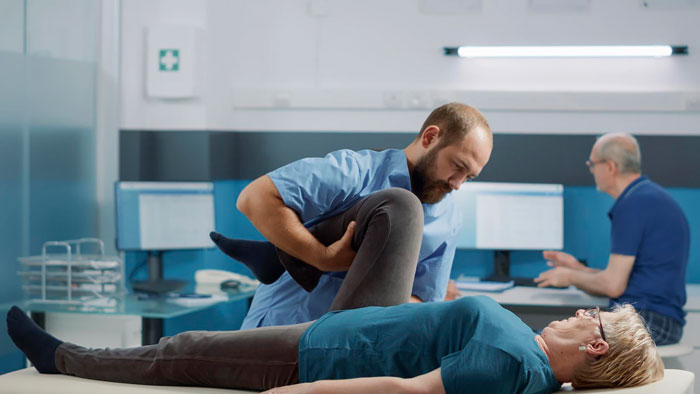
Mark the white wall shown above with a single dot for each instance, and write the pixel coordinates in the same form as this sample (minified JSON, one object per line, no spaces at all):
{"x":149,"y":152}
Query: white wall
{"x":368,"y":65}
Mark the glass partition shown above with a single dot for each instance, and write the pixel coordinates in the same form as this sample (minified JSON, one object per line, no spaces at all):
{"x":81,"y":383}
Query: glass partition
{"x":48,"y":69}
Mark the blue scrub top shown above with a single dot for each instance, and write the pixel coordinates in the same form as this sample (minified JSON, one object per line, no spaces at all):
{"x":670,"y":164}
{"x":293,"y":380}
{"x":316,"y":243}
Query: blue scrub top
{"x":319,"y":188}
{"x":648,"y":223}
{"x":480,"y":346}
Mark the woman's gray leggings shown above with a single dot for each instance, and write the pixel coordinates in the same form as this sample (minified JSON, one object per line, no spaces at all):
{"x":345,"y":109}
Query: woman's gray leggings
{"x":387,"y":240}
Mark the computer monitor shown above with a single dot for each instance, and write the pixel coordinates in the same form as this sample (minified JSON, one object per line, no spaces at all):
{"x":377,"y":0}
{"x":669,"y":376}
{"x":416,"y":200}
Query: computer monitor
{"x":510,"y":216}
{"x":159,"y":216}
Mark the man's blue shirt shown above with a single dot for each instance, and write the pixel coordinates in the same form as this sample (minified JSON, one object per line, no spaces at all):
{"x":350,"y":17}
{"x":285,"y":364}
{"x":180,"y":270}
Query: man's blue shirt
{"x":319,"y":188}
{"x":479,"y":346}
{"x":648,"y":223}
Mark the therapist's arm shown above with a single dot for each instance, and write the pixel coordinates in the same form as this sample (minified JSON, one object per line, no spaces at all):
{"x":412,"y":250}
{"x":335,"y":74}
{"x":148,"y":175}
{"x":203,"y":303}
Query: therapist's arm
{"x":430,"y":383}
{"x":263,"y":205}
{"x":610,"y":282}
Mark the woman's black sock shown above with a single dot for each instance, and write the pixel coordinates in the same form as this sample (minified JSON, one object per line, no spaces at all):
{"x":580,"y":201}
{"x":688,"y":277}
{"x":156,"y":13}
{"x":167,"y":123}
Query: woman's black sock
{"x":38,"y":345}
{"x":259,"y":256}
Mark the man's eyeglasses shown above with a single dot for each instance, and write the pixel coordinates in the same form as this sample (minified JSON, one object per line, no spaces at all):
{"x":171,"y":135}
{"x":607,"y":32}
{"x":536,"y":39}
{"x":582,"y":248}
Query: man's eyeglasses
{"x":593,"y":312}
{"x":592,"y":163}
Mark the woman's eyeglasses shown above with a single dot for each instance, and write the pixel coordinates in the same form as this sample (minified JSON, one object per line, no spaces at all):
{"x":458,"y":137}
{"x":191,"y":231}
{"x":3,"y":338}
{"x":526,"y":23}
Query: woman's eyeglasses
{"x":593,"y":312}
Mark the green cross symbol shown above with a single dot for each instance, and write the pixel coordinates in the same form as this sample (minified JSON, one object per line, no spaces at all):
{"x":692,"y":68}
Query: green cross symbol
{"x":169,"y":59}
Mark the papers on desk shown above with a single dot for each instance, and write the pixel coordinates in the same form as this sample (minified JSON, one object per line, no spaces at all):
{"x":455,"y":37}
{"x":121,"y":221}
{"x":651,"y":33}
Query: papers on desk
{"x":484,"y":285}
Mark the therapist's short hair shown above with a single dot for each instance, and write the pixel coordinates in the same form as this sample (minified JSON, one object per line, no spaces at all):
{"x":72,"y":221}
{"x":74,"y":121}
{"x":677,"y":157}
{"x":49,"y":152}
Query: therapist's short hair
{"x":631,"y":360}
{"x":455,"y":120}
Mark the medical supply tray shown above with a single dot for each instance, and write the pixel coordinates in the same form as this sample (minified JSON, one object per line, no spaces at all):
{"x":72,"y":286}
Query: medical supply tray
{"x":69,"y":275}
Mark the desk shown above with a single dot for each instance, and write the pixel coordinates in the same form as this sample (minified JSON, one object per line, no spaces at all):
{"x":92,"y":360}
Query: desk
{"x":557,"y":301}
{"x":152,"y":311}
{"x":546,"y":297}
{"x":538,"y":307}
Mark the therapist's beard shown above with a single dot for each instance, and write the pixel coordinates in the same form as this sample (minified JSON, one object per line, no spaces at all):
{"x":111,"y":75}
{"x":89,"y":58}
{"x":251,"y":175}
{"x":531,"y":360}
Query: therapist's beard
{"x":424,"y":186}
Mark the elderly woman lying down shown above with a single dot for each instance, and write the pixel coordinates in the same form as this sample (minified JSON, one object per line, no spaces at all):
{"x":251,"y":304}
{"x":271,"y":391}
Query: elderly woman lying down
{"x":463,"y":346}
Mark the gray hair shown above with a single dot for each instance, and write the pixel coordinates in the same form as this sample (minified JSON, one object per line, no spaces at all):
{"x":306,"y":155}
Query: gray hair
{"x":623,"y":149}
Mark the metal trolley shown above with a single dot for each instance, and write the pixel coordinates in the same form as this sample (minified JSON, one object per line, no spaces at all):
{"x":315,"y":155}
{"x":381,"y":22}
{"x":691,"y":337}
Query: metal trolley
{"x":71,"y":275}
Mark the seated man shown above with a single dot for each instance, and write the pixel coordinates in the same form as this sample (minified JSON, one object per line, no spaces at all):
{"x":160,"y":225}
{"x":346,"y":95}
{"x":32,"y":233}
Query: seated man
{"x":649,"y":248}
{"x":468,"y":345}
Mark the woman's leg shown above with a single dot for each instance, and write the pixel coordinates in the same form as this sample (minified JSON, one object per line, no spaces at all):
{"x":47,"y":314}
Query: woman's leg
{"x":256,"y":359}
{"x":387,"y":240}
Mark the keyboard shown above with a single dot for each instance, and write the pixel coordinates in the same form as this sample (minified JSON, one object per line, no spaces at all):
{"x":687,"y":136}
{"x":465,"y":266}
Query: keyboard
{"x":526,"y":282}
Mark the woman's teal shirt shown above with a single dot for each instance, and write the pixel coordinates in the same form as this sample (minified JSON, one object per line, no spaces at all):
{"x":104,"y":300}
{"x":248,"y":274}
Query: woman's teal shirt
{"x":480,"y":346}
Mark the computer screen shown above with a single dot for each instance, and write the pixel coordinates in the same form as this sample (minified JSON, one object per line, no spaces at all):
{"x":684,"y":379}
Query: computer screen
{"x":511,"y":216}
{"x":164,"y":215}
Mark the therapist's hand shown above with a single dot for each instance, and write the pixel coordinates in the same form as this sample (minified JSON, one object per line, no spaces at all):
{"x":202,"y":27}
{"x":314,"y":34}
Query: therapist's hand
{"x":556,"y":277}
{"x":339,"y":255}
{"x":452,"y":291}
{"x":560,"y":259}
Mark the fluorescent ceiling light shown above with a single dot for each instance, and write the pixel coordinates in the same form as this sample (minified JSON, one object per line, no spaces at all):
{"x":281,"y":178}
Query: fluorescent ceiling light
{"x":567,"y":51}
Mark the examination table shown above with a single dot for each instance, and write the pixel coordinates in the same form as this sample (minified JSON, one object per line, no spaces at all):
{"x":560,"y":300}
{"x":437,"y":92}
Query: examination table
{"x":29,"y":381}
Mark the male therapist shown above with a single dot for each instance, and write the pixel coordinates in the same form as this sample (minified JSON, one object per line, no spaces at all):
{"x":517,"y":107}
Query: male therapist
{"x":357,"y":211}
{"x":650,"y":242}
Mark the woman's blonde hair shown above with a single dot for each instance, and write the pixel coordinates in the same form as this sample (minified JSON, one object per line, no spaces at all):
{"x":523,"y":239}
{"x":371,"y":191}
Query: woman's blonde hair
{"x":631,"y":360}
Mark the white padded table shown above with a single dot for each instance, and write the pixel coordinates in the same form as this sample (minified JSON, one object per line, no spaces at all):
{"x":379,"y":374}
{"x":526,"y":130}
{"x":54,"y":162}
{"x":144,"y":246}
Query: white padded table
{"x":29,"y":381}
{"x":675,"y":381}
